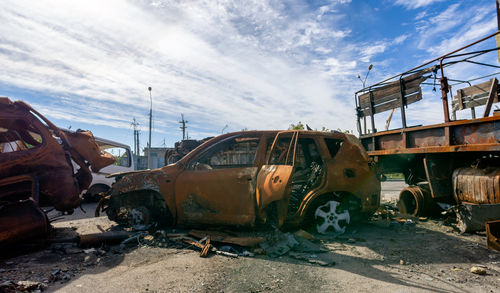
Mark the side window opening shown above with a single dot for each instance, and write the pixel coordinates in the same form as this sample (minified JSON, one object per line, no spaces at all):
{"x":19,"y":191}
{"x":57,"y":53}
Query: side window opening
{"x":282,"y":152}
{"x":232,"y":153}
{"x":122,"y":155}
{"x":333,"y":145}
{"x":18,"y":136}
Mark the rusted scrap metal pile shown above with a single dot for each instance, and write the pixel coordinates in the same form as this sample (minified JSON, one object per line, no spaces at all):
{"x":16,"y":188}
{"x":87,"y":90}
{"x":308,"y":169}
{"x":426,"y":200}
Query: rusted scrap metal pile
{"x":40,"y":164}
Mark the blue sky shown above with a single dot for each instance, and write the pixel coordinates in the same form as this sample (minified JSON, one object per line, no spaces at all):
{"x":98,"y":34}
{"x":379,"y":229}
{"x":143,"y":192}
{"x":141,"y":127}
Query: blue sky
{"x":244,"y":64}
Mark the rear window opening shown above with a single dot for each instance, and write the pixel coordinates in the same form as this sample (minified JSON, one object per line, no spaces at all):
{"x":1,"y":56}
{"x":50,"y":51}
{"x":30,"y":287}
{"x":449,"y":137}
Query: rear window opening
{"x":333,"y":146}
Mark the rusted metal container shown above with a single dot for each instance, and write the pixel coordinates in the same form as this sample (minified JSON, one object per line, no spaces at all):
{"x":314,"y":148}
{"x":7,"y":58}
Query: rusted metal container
{"x":416,"y":200}
{"x":493,"y":235}
{"x":480,"y":186}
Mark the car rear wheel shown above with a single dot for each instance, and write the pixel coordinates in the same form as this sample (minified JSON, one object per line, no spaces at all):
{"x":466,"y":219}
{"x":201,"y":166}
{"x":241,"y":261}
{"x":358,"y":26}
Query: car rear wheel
{"x":331,"y":217}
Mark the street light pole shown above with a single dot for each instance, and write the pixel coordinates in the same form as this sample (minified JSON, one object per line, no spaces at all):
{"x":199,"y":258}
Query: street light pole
{"x":364,"y":86}
{"x":150,"y":122}
{"x":366,"y":76}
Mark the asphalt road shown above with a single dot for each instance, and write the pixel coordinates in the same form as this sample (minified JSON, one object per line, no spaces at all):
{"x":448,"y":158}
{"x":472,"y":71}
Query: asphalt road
{"x":390,"y":190}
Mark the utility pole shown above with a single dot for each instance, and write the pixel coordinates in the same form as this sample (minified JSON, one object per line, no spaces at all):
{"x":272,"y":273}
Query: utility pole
{"x":136,"y":142}
{"x":183,"y":127}
{"x":364,"y":86}
{"x":150,"y":123}
{"x":136,"y":136}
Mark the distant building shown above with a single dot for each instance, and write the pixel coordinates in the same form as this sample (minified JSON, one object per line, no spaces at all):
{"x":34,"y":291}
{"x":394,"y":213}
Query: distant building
{"x":157,"y":158}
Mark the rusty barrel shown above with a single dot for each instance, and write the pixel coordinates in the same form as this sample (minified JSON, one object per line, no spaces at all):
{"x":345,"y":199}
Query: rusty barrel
{"x":416,"y":200}
{"x":481,"y":186}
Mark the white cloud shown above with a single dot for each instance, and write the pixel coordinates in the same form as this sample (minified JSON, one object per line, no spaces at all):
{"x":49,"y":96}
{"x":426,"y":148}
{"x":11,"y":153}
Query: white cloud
{"x":413,"y":4}
{"x":235,"y":63}
{"x":400,"y":39}
{"x":421,"y":15}
{"x":368,"y":51}
{"x":445,"y":31}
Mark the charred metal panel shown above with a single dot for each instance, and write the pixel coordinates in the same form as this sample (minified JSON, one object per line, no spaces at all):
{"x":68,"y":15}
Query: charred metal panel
{"x":437,"y":169}
{"x":20,"y":216}
{"x":393,"y":141}
{"x":426,"y":138}
{"x":22,"y":220}
{"x":272,"y":183}
{"x":493,"y":235}
{"x":457,"y":136}
{"x":364,"y":185}
{"x":217,"y":196}
{"x":140,"y":180}
{"x":477,"y":133}
{"x":473,"y":217}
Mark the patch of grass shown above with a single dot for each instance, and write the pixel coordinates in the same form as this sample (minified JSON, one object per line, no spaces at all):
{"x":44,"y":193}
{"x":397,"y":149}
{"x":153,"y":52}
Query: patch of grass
{"x":395,"y":176}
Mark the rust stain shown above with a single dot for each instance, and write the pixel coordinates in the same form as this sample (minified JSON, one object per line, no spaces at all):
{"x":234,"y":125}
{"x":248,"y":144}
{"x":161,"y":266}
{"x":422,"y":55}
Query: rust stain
{"x":196,"y":207}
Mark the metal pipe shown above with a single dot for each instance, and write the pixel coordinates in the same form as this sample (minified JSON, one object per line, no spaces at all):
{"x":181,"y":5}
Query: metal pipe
{"x":444,"y":93}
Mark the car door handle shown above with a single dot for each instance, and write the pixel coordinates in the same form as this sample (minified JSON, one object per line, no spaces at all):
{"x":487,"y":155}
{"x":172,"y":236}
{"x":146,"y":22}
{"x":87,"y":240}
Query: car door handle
{"x":276,"y":179}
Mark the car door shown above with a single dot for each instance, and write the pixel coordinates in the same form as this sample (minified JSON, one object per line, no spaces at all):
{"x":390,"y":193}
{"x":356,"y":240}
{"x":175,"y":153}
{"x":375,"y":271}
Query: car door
{"x":218,"y":185}
{"x":274,"y":177}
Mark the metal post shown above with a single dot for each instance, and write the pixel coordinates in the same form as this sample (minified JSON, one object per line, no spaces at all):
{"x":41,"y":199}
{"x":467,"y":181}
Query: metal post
{"x":402,"y":101}
{"x":444,"y":93}
{"x":150,"y":123}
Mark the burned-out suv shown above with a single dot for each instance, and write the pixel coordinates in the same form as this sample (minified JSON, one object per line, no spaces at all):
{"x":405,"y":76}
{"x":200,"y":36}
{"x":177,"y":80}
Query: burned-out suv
{"x":254,"y":177}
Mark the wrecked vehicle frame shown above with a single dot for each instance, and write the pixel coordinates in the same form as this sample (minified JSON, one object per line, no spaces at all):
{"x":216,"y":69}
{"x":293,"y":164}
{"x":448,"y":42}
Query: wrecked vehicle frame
{"x":254,"y":178}
{"x":455,"y":162}
{"x":40,"y":163}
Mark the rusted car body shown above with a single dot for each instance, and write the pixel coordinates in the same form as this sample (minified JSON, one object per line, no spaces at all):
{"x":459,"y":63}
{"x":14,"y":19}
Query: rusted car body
{"x":254,"y":177}
{"x":451,"y":163}
{"x":36,"y":166}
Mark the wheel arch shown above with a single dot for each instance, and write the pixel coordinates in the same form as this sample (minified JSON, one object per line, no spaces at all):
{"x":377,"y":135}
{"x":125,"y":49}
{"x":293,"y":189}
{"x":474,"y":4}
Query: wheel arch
{"x":308,"y":207}
{"x":152,"y":199}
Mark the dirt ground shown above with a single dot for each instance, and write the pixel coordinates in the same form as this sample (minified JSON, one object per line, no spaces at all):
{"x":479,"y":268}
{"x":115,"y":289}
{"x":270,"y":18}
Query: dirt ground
{"x":378,"y":256}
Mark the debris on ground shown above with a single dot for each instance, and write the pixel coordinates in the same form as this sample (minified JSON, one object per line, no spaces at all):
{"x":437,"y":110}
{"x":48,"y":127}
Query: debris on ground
{"x":478,"y":270}
{"x":222,"y":237}
{"x":22,"y":286}
{"x":303,"y":234}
